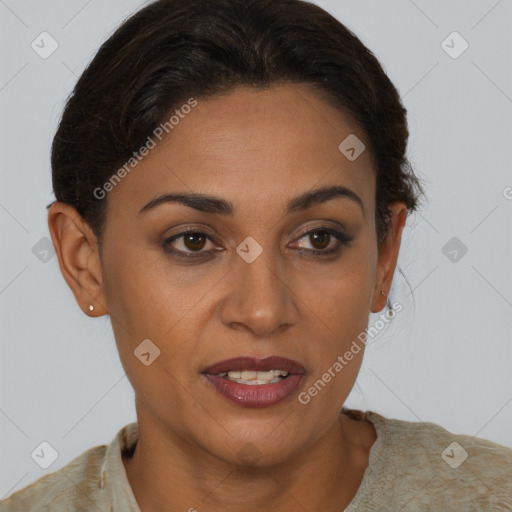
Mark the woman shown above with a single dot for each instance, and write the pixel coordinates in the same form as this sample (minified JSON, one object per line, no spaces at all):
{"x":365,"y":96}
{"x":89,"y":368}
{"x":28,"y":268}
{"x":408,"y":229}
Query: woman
{"x":231,"y":188}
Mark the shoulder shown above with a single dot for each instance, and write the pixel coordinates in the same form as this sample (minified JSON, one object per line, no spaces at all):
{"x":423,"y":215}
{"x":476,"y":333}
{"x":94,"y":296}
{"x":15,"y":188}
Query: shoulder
{"x":430,"y":462}
{"x":72,"y":487}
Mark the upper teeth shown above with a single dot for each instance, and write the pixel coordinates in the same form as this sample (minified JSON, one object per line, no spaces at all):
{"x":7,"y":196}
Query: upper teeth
{"x":251,"y":377}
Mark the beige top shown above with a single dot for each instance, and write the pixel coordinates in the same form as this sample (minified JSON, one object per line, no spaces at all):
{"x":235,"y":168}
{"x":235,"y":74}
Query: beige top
{"x":413,"y":467}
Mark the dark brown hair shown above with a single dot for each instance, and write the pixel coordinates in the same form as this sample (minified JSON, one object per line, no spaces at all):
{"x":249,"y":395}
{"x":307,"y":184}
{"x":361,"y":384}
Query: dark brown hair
{"x":172,"y":50}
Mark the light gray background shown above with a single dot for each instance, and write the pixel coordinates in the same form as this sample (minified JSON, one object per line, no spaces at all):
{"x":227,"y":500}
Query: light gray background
{"x":445,"y":359}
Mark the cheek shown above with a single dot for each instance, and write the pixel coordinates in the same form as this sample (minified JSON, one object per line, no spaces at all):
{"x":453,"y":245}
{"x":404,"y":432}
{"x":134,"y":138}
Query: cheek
{"x":339,"y":308}
{"x":151,"y":297}
{"x":145,"y":291}
{"x":143,"y":307}
{"x":341,"y":318}
{"x":342,"y":294}
{"x":148,"y":299}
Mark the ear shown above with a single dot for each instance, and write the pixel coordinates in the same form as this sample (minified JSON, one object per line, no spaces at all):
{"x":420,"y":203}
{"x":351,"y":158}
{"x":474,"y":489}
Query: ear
{"x":388,"y":255}
{"x":78,"y":254}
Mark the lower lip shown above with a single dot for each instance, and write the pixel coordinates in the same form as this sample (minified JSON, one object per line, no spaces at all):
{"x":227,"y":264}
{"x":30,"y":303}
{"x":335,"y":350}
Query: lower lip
{"x":257,"y":396}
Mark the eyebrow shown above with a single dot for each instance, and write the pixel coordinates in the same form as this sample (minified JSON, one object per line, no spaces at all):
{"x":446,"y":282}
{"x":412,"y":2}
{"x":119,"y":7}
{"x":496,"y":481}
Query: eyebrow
{"x":210,"y":204}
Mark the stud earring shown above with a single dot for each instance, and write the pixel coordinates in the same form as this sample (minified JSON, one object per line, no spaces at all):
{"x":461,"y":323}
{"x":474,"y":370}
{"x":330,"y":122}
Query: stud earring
{"x":91,"y":307}
{"x":382,"y":293}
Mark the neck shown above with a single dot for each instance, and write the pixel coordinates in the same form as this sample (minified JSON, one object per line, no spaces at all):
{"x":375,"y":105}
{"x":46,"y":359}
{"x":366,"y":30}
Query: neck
{"x":168,"y":473}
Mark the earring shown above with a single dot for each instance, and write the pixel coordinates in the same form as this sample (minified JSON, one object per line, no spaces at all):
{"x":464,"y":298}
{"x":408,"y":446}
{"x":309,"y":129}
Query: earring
{"x":91,"y":307}
{"x":390,"y":308}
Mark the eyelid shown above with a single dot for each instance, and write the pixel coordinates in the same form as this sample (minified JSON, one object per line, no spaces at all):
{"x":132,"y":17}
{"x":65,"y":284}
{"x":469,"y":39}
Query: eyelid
{"x":322,"y":227}
{"x":340,"y":236}
{"x":183,"y":233}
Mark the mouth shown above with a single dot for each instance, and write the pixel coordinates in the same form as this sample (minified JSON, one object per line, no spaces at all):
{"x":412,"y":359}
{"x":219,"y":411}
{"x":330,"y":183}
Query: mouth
{"x":252,"y":382}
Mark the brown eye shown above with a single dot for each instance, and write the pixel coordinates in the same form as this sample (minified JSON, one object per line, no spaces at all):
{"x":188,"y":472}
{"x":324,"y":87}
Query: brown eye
{"x":194,"y":241}
{"x":188,"y":244}
{"x":319,"y":239}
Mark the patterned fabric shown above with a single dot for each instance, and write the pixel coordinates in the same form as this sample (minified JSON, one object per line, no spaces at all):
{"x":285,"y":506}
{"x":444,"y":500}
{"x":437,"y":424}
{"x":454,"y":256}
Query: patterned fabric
{"x":413,"y":467}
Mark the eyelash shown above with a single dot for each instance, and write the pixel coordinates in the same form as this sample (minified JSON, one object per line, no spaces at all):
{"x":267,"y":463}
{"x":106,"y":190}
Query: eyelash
{"x":343,"y":240}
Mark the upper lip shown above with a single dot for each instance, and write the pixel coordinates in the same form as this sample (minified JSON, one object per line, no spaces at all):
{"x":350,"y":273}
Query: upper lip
{"x":248,"y":363}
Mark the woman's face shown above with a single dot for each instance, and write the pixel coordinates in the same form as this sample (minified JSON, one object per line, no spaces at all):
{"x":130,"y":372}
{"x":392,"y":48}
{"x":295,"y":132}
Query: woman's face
{"x":241,"y":285}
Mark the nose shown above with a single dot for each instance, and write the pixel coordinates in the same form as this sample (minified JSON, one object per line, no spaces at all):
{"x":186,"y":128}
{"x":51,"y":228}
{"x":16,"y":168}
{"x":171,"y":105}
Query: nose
{"x":260,"y":297}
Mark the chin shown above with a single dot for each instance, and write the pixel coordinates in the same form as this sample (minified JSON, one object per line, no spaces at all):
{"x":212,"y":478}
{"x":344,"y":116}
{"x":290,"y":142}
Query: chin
{"x":264,"y":443}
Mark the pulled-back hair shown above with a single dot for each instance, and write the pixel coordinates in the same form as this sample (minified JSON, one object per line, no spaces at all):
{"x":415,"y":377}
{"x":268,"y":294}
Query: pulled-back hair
{"x":172,"y":50}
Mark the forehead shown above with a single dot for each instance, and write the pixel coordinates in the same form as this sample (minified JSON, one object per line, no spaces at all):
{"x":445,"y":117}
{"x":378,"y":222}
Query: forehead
{"x":253,"y":146}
